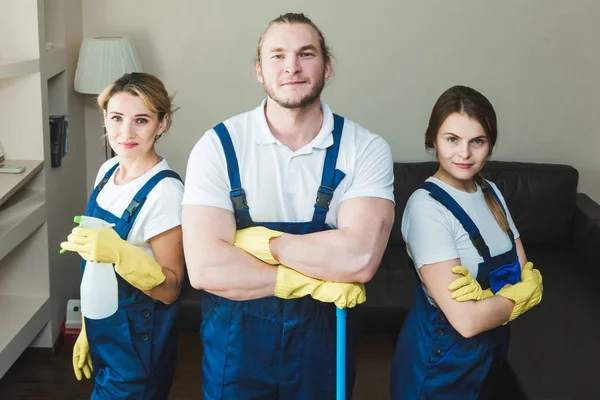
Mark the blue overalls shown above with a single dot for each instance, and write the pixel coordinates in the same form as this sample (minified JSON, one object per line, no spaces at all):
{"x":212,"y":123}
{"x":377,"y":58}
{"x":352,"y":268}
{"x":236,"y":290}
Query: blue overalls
{"x":272,"y":348}
{"x":432,"y":360}
{"x":133,"y":351}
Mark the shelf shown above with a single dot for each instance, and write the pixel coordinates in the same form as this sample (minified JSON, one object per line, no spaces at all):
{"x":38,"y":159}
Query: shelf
{"x":53,"y":62}
{"x":15,"y":67}
{"x":38,"y":44}
{"x":23,"y":317}
{"x":19,"y":218}
{"x":10,"y":183}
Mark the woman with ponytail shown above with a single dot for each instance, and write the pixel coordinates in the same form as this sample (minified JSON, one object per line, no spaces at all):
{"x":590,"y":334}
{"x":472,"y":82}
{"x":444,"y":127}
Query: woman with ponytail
{"x":471,"y":270}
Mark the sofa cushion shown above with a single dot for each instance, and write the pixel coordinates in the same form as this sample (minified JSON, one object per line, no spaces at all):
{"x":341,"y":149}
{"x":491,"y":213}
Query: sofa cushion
{"x":407,"y":178}
{"x":541,"y":197}
{"x":392,"y":285}
{"x":552,"y":345}
{"x":389,"y":293}
{"x":190,"y":311}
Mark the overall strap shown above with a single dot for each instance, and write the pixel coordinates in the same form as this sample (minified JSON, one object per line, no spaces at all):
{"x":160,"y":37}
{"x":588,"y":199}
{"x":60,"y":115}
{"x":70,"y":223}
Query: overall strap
{"x":490,"y":189}
{"x":99,"y":186}
{"x":447,"y":201}
{"x":331,"y":177}
{"x":134,"y":207}
{"x":105,"y":179}
{"x":237,"y":193}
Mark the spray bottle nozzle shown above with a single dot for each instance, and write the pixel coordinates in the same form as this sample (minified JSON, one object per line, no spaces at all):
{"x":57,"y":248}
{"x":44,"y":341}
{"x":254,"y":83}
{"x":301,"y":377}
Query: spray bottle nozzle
{"x":77,"y":220}
{"x":85,"y":221}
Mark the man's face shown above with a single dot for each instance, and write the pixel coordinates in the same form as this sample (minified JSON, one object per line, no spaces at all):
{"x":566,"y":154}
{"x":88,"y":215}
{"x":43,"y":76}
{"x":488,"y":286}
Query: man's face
{"x":292,"y":69}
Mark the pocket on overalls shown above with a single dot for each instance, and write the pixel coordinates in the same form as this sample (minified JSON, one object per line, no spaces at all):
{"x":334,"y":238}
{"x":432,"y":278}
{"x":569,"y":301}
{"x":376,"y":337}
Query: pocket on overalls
{"x":457,"y":366}
{"x":114,"y":357}
{"x":208,"y":313}
{"x":444,"y":340}
{"x":506,"y":274}
{"x":237,"y":347}
{"x":310,"y":355}
{"x":141,"y":332}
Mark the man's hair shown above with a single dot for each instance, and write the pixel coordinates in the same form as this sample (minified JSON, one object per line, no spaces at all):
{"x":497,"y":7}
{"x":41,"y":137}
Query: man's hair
{"x":295,"y":18}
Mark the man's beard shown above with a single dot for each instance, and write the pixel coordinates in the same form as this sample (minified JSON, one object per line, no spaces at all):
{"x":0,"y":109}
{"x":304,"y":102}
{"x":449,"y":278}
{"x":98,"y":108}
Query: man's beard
{"x":302,"y":102}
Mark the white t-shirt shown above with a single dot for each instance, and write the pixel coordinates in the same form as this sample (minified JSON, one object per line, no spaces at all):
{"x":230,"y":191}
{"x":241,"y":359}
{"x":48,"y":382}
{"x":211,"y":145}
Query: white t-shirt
{"x":160,"y":212}
{"x":281,"y":185}
{"x":432,"y":234}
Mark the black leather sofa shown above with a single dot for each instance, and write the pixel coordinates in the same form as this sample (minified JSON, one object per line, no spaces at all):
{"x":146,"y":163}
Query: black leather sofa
{"x":554,"y":347}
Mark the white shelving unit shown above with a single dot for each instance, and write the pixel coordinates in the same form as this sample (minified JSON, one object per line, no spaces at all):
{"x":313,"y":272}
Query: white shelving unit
{"x":11,"y":183}
{"x":53,"y":62}
{"x":22,"y":208}
{"x":31,"y":78}
{"x":15,"y":67}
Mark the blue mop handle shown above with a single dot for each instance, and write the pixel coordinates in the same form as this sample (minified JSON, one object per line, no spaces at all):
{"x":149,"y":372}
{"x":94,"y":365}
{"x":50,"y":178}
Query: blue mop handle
{"x":341,"y":354}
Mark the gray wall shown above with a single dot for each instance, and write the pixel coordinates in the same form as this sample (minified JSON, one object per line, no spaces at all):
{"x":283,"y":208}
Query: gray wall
{"x":537,"y":62}
{"x":65,"y":191}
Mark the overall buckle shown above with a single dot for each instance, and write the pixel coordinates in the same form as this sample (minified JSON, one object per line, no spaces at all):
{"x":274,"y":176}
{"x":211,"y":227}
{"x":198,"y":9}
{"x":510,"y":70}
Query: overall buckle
{"x":133,"y":206}
{"x":324,"y":196}
{"x":238,"y":199}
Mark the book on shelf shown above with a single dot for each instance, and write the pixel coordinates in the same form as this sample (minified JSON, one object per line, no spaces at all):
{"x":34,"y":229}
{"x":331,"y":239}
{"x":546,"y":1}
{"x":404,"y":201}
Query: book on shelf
{"x":59,"y":144}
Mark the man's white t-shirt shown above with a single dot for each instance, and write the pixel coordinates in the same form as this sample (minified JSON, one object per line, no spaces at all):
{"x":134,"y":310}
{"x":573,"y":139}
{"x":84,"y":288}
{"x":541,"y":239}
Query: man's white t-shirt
{"x":432,"y":234}
{"x":160,"y":212}
{"x":281,"y":185}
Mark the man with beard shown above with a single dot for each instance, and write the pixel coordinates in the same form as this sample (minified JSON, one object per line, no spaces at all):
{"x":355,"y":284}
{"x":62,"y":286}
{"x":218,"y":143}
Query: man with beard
{"x":273,"y":261}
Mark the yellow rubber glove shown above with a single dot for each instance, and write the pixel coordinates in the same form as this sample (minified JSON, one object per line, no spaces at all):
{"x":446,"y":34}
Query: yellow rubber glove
{"x":466,"y":287}
{"x":527,"y":293}
{"x":255,"y":240}
{"x":291,"y":284}
{"x":82,"y":359}
{"x":104,"y":245}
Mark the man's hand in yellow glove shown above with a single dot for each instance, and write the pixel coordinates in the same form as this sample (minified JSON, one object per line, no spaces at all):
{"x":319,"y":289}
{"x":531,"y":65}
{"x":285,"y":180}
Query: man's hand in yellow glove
{"x":527,"y":293}
{"x":466,"y":287}
{"x":256,"y":240}
{"x":291,"y":284}
{"x":82,"y":359}
{"x":104,"y":245}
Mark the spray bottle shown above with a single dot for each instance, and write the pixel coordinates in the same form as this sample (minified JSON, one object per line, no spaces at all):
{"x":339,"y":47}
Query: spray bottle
{"x":99,"y":287}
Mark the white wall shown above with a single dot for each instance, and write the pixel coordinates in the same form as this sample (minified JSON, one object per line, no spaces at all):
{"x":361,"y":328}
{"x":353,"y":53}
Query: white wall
{"x":538,"y":62}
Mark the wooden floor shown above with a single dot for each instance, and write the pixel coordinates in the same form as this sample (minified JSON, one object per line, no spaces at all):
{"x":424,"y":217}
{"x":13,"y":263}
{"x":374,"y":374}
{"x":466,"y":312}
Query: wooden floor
{"x":40,"y":375}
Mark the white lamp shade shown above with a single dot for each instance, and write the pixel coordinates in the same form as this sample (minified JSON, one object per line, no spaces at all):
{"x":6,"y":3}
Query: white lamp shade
{"x":102,"y":60}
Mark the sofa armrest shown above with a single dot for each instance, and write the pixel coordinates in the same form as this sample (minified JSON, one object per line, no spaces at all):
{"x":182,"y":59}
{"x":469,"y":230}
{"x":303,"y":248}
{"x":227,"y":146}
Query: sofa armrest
{"x":586,"y":229}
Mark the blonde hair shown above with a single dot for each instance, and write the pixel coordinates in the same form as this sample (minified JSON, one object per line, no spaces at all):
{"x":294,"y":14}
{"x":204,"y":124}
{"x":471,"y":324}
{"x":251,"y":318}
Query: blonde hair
{"x":146,"y":86}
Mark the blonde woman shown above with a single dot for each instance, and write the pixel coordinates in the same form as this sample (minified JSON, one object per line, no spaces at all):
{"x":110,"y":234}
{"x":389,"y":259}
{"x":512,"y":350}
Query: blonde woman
{"x":132,"y":353}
